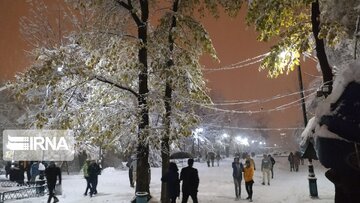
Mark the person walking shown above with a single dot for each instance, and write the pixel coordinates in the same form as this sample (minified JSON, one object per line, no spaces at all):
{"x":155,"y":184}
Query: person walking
{"x":130,"y":166}
{"x":190,"y":182}
{"x":291,"y":161}
{"x":218,"y":157}
{"x":272,"y":165}
{"x":208,"y":159}
{"x":249,"y":179}
{"x":212,"y":158}
{"x":172,"y":182}
{"x":238,"y":168}
{"x":93,"y":171}
{"x":86,"y":176}
{"x":52,"y":172}
{"x":296,"y":161}
{"x":7,"y":169}
{"x":266,"y":169}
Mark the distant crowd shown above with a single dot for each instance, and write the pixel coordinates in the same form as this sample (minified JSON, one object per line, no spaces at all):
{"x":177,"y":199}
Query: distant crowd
{"x":41,"y":173}
{"x":37,"y":173}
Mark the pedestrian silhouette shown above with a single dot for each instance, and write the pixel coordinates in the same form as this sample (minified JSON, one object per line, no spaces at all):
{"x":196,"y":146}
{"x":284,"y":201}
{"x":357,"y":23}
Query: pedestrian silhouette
{"x":237,"y":176}
{"x":172,"y":182}
{"x":190,"y":182}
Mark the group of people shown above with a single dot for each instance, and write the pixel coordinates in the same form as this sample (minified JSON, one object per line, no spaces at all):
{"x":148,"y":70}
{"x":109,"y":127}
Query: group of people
{"x":91,"y":171}
{"x":211,"y":157}
{"x":34,"y":169}
{"x":190,"y":182}
{"x":247,"y":171}
{"x":294,"y":160}
{"x":36,"y":173}
{"x":190,"y":179}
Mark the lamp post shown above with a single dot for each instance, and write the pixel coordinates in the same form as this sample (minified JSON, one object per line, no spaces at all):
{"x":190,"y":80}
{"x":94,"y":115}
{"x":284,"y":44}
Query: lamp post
{"x":309,"y":153}
{"x":197,"y":131}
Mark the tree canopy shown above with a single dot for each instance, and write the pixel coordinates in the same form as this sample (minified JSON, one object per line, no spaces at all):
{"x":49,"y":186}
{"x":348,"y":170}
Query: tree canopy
{"x":290,"y":24}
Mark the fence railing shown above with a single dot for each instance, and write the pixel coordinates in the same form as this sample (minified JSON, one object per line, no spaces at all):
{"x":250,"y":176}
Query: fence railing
{"x":33,"y":189}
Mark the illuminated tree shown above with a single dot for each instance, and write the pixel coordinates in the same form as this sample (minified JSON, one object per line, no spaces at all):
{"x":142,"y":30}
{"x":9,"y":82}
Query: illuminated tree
{"x":299,"y":28}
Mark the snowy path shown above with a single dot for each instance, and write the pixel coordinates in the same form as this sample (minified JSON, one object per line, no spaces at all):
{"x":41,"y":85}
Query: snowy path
{"x":216,"y":186}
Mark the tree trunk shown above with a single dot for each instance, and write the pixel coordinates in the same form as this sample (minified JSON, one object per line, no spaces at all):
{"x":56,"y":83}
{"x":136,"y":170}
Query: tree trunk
{"x":165,"y":149}
{"x":165,"y":166}
{"x":143,"y":167}
{"x":320,"y":47}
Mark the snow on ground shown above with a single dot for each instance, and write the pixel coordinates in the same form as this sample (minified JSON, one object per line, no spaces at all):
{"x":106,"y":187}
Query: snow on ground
{"x":216,"y":185}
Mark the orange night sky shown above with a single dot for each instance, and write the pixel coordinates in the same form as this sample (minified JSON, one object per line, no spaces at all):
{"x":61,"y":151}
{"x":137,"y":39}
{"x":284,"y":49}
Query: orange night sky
{"x":234,"y":42}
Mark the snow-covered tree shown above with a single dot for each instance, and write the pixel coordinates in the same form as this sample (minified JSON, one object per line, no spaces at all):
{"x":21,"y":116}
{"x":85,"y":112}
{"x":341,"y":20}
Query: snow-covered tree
{"x":335,"y":27}
{"x":107,"y":84}
{"x":298,"y":26}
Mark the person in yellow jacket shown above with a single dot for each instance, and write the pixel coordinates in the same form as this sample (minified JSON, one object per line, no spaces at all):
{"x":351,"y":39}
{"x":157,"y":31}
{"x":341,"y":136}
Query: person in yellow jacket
{"x":248,"y":177}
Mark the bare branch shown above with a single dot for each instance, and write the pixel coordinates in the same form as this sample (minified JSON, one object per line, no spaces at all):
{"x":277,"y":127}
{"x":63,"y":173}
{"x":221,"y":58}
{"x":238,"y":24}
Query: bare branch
{"x":130,"y":8}
{"x":102,"y":79}
{"x":116,"y":34}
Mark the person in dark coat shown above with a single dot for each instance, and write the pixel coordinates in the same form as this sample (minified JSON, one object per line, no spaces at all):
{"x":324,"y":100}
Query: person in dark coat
{"x":291,"y":161}
{"x":190,"y":182}
{"x":52,"y":173}
{"x":212,"y":158}
{"x":34,"y":171}
{"x":238,"y":169}
{"x":7,"y":169}
{"x":296,"y":161}
{"x":272,"y":165}
{"x":208,"y":159}
{"x":93,"y":172}
{"x":131,"y":165}
{"x":21,"y":173}
{"x":172,"y":182}
{"x":17,"y":174}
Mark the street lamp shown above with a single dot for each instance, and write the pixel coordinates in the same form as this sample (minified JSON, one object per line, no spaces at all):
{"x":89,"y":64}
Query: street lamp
{"x":309,"y":153}
{"x":196,"y":136}
{"x":226,"y":137}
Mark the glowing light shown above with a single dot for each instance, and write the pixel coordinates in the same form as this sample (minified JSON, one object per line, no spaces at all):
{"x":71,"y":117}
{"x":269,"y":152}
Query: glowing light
{"x":242,"y":141}
{"x":60,"y":68}
{"x":199,"y":130}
